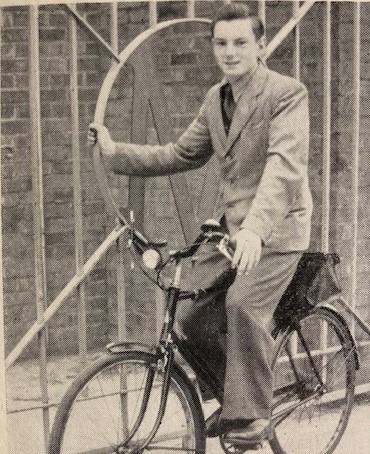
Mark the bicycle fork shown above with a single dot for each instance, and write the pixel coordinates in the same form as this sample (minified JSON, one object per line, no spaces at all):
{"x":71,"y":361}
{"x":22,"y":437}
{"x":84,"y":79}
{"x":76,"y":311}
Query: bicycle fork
{"x":165,"y":359}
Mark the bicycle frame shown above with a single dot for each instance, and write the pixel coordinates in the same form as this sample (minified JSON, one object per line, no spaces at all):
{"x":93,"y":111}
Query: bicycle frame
{"x":168,"y":344}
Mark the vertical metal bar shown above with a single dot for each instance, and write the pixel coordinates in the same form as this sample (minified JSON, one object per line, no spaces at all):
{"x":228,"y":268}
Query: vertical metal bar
{"x":297,"y":43}
{"x":120,"y":250}
{"x":356,"y":144}
{"x":153,"y":13}
{"x":3,"y":416}
{"x":160,"y":304}
{"x":191,"y":9}
{"x":38,"y":207}
{"x":326,"y":157}
{"x":297,"y":75}
{"x":326,"y":131}
{"x":121,"y":290}
{"x":77,"y":191}
{"x":114,"y":26}
{"x":262,"y":11}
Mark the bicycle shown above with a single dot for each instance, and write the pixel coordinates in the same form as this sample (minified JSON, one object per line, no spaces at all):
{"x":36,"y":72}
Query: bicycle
{"x":138,"y":399}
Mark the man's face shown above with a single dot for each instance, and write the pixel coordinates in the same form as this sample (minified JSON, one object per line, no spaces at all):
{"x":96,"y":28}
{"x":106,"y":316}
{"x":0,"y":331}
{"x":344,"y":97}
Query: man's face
{"x":235,"y":47}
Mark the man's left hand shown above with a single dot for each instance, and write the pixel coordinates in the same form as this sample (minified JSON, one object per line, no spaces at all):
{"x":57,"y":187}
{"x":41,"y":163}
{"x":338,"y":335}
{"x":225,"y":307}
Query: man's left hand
{"x":248,"y":250}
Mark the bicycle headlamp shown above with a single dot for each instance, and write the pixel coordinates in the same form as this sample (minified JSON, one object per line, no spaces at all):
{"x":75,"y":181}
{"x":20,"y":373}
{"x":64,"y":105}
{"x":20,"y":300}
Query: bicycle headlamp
{"x":151,"y":258}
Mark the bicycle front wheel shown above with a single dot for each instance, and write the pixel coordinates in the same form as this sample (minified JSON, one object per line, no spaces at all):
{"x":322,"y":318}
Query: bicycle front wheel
{"x":314,"y":372}
{"x":111,"y":408}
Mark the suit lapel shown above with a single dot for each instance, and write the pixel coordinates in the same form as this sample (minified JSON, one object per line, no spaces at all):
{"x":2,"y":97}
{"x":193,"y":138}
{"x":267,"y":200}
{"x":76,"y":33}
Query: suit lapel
{"x":217,"y":117}
{"x":247,"y":104}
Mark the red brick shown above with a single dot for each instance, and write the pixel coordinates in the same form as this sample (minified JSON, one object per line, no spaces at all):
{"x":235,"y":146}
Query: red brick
{"x":7,"y":111}
{"x":56,"y":94}
{"x":14,"y":126}
{"x":15,"y":35}
{"x":52,"y":34}
{"x":58,"y":19}
{"x":21,"y":81}
{"x":59,"y":110}
{"x":19,"y":65}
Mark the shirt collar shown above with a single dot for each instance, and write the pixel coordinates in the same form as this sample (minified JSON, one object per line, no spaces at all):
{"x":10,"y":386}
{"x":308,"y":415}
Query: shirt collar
{"x":239,"y":85}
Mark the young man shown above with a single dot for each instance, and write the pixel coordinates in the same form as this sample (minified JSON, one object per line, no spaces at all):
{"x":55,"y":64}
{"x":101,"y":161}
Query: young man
{"x":256,"y":122}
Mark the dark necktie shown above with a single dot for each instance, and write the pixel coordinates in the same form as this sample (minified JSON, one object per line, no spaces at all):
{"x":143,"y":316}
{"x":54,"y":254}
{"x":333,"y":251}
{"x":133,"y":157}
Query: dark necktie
{"x":228,"y":106}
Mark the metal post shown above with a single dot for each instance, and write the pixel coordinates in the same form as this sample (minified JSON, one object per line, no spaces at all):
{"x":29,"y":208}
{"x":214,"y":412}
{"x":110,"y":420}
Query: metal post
{"x":191,"y":9}
{"x":114,"y":26}
{"x":326,"y":131}
{"x":38,"y":215}
{"x":356,"y":144}
{"x":66,"y":292}
{"x":297,"y":43}
{"x":3,"y":417}
{"x":262,"y":11}
{"x":120,"y":250}
{"x":153,"y":13}
{"x":91,"y":30}
{"x":77,"y":191}
{"x":288,"y":27}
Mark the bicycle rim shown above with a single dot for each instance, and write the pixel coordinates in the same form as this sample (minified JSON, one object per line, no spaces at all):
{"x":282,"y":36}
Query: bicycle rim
{"x":310,"y":417}
{"x":100,"y":413}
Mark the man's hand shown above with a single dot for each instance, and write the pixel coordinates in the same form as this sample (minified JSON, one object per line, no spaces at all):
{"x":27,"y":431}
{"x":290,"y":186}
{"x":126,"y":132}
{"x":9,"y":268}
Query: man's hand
{"x":248,"y":250}
{"x":100,"y":134}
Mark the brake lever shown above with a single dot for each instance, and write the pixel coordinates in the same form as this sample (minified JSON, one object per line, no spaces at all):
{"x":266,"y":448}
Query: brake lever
{"x":225,"y":246}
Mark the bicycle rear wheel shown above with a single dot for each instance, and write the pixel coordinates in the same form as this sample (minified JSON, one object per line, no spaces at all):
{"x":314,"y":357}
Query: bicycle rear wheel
{"x":111,"y":407}
{"x":314,"y":392}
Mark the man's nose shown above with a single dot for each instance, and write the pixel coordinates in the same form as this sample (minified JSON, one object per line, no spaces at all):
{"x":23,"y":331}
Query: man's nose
{"x":230,"y":48}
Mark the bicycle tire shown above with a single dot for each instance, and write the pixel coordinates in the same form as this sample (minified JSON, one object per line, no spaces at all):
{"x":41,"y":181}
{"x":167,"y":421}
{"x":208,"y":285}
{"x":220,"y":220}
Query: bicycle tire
{"x":100,"y":408}
{"x":312,"y":421}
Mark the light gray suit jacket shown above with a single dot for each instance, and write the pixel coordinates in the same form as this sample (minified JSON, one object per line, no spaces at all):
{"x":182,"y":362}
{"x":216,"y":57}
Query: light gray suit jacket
{"x":263,"y":159}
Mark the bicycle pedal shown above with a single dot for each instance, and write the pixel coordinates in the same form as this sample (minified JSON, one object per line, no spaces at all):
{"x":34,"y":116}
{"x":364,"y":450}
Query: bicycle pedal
{"x":241,"y":448}
{"x":249,"y":447}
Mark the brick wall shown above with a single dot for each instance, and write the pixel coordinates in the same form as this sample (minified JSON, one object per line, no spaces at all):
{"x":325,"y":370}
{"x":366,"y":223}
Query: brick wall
{"x":185,"y":66}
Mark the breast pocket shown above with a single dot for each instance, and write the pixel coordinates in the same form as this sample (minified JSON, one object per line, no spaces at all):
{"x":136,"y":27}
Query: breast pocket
{"x":252,"y":148}
{"x":258,"y":119}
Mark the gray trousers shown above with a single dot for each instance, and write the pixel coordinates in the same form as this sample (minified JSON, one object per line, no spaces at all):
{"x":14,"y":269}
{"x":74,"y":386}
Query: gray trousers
{"x":235,"y":332}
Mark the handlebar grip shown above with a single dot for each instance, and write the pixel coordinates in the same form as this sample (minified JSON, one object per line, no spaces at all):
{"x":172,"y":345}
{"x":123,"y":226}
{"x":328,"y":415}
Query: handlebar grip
{"x":232,"y":245}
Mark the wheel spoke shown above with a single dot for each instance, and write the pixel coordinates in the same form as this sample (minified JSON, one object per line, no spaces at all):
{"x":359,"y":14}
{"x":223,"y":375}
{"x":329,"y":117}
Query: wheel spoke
{"x":313,"y":395}
{"x":101,"y":413}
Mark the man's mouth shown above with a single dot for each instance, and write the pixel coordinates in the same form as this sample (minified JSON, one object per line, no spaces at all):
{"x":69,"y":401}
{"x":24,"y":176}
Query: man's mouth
{"x":231,"y":64}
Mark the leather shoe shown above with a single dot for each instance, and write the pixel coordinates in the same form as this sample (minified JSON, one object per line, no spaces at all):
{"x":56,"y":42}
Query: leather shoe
{"x":212,"y":426}
{"x":254,"y":432}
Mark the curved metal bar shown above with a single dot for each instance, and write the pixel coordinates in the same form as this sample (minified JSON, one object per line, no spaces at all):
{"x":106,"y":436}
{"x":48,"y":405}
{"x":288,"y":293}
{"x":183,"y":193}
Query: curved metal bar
{"x":102,"y":101}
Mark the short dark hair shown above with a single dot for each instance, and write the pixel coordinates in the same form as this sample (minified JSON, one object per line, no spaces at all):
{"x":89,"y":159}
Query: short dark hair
{"x":233,"y":11}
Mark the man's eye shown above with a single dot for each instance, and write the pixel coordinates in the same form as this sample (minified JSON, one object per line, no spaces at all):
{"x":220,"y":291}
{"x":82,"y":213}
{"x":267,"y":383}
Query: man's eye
{"x":241,"y":43}
{"x":219,"y":43}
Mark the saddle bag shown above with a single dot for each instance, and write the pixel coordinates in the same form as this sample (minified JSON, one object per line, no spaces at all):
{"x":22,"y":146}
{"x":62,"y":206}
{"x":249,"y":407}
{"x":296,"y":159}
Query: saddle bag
{"x":315,"y":281}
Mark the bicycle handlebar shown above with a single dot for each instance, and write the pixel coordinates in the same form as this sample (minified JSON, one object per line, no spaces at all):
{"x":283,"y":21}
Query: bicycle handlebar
{"x":210,"y":230}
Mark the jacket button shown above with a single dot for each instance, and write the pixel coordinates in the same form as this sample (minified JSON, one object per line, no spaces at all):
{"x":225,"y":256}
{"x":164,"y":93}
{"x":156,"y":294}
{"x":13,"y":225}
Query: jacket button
{"x":228,"y":158}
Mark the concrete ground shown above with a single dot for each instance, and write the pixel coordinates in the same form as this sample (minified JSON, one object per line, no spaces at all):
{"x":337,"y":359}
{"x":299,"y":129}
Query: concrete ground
{"x":25,"y":433}
{"x":26,"y":427}
{"x":356,"y":439}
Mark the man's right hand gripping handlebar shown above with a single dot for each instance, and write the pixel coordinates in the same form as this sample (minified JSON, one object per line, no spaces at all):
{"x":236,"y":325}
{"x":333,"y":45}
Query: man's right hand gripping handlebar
{"x":99,"y":134}
{"x":243,"y":249}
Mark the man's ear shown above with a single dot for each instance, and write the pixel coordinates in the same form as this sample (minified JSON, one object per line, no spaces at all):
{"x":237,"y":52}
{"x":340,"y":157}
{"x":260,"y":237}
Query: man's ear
{"x":262,"y":43}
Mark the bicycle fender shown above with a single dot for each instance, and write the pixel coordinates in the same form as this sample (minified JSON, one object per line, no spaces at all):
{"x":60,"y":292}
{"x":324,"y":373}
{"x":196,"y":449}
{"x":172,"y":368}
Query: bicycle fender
{"x":120,"y":347}
{"x":340,"y":317}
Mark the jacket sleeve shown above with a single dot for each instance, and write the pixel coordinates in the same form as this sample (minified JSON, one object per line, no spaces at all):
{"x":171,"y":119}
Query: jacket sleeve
{"x":286,"y":166}
{"x":192,"y":150}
